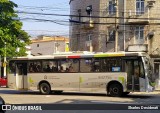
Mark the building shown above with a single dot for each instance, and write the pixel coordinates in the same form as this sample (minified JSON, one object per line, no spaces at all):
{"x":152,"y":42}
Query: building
{"x":46,"y":45}
{"x":135,"y":24}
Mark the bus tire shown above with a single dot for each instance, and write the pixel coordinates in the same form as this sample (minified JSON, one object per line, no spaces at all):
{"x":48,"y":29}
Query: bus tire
{"x":45,"y":88}
{"x":115,"y":90}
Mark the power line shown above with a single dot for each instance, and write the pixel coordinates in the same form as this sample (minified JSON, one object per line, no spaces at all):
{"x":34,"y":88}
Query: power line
{"x":53,"y":14}
{"x":78,"y":22}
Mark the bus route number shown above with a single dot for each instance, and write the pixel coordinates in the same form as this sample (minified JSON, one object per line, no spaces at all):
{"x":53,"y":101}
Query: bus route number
{"x":104,"y":77}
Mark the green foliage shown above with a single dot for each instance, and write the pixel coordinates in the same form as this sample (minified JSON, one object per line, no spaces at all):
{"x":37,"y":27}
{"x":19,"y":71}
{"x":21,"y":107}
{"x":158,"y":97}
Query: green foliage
{"x":11,"y":31}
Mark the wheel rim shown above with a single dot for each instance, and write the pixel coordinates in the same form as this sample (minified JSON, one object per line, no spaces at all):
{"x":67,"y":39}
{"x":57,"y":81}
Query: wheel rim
{"x":44,"y":89}
{"x":115,"y":90}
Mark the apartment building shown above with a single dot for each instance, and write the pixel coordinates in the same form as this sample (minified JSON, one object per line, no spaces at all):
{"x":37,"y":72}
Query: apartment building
{"x":46,"y":45}
{"x":97,"y":29}
{"x":134,"y":23}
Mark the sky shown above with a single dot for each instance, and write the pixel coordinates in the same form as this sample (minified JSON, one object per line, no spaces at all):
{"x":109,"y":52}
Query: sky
{"x":38,"y":24}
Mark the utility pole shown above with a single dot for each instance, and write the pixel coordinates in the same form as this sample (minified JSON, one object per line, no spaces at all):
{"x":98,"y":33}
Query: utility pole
{"x":116,"y":27}
{"x":124,"y":26}
{"x":79,"y":31}
{"x":5,"y":61}
{"x":89,"y":12}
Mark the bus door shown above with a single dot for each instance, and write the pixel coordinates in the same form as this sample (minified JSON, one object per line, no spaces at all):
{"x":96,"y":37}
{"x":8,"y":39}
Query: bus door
{"x":21,"y":76}
{"x":133,"y":73}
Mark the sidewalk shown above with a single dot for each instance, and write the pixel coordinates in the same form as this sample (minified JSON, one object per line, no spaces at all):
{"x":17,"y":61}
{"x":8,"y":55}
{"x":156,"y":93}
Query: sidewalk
{"x":157,"y":88}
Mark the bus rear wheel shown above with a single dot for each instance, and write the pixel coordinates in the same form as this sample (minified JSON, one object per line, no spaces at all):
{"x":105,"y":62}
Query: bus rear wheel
{"x":115,"y":90}
{"x":45,"y":88}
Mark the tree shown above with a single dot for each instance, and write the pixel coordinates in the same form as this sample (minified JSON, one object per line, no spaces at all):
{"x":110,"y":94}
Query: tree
{"x":11,"y":33}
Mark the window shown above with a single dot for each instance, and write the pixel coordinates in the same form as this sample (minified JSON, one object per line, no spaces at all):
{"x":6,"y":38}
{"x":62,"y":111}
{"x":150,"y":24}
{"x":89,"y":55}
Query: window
{"x":85,"y":65}
{"x":112,"y":9}
{"x":112,"y":35}
{"x":139,"y":32}
{"x":50,"y":66}
{"x":112,"y":65}
{"x":139,"y":7}
{"x":89,"y":38}
{"x":101,"y":65}
{"x":68,"y":65}
{"x":35,"y":67}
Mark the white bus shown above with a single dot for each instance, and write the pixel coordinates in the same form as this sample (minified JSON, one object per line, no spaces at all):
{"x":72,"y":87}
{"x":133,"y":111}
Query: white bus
{"x":112,"y":73}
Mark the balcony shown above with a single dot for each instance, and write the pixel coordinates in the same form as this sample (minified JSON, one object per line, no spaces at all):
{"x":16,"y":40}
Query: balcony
{"x":138,"y":48}
{"x":138,"y":17}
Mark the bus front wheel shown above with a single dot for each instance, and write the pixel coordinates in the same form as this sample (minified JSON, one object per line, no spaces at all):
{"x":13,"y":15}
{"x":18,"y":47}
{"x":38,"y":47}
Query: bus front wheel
{"x":115,"y":90}
{"x":45,"y":88}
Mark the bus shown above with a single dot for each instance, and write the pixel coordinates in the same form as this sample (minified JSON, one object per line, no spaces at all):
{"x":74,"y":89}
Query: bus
{"x":113,"y":73}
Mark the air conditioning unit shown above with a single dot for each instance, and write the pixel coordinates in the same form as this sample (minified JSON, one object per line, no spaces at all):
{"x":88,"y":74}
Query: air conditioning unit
{"x":151,"y":3}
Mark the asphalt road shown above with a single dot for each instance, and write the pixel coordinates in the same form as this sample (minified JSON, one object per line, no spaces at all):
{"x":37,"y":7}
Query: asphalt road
{"x":16,"y":97}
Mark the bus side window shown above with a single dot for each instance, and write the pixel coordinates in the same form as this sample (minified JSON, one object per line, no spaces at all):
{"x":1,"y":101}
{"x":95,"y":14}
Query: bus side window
{"x":34,"y":67}
{"x":85,"y":65}
{"x":95,"y":65}
{"x":49,"y":66}
{"x":68,"y":65}
{"x":12,"y":67}
{"x":31,"y":67}
{"x":61,"y":69}
{"x":113,"y":65}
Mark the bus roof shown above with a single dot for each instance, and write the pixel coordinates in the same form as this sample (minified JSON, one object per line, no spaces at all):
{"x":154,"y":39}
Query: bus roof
{"x":82,"y":55}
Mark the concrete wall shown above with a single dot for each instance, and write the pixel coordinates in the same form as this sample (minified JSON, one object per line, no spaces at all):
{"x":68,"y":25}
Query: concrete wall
{"x":47,"y":48}
{"x":78,"y":33}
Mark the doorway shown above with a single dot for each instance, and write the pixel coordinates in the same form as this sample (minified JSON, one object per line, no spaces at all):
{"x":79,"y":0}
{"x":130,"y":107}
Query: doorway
{"x":132,"y":68}
{"x":21,"y":76}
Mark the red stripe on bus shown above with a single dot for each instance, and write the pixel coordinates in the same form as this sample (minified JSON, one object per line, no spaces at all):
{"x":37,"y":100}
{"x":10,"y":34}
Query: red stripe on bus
{"x":73,"y":56}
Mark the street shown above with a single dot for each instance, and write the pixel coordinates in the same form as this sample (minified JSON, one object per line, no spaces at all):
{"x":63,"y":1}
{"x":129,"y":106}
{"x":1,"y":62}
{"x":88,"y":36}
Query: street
{"x":16,"y":97}
{"x":34,"y":97}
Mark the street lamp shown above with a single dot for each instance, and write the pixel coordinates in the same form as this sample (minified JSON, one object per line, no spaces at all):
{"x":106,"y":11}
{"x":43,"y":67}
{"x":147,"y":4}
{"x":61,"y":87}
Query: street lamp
{"x":116,"y":27}
{"x":89,"y":11}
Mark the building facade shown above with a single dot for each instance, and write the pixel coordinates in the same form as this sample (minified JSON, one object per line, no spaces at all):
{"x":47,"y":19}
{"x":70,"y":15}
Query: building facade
{"x":46,"y":45}
{"x":133,"y":23}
